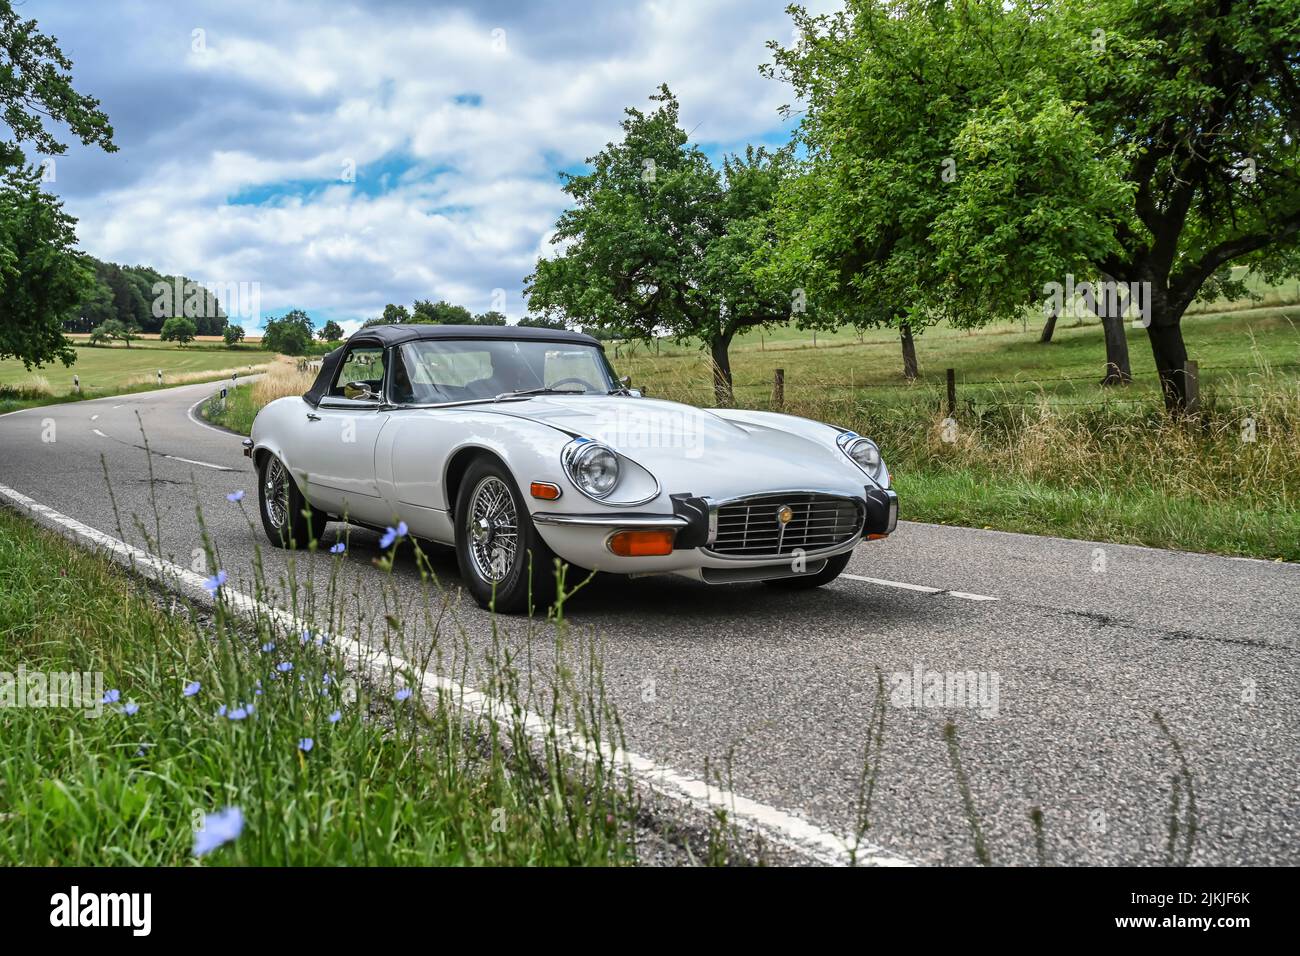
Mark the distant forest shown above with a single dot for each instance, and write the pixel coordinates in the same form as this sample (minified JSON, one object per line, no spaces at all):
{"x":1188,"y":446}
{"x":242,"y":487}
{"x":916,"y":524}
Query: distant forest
{"x":126,"y":293}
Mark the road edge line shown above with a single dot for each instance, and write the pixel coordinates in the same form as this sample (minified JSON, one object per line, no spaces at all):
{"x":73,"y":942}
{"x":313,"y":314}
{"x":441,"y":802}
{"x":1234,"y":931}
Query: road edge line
{"x":779,"y":826}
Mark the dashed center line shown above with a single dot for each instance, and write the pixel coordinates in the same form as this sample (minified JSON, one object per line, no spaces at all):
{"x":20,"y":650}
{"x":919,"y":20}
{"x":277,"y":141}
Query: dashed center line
{"x":188,"y":461}
{"x":924,"y":589}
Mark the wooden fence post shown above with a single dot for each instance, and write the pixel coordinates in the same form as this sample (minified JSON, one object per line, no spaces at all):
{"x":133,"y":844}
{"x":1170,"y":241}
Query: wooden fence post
{"x":1192,"y":385}
{"x":778,"y":388}
{"x":952,"y":392}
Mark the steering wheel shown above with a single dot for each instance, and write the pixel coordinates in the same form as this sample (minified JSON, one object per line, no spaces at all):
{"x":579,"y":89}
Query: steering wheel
{"x":576,"y":381}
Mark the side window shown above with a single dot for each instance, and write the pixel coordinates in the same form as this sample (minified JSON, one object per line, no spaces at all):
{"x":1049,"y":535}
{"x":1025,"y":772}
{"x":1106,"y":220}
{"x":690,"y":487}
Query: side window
{"x":363,"y":365}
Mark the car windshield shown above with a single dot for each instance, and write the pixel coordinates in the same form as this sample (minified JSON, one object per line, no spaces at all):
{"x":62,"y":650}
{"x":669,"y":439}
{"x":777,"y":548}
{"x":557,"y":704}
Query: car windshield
{"x":433,"y":371}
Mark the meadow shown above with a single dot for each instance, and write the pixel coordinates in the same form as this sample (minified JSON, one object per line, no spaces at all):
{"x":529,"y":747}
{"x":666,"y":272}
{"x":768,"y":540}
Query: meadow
{"x":116,"y":369}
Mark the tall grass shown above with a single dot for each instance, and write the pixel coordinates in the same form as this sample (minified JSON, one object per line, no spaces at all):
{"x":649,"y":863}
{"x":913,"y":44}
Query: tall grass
{"x":209,"y":714}
{"x":1113,"y":468}
{"x":283,"y":378}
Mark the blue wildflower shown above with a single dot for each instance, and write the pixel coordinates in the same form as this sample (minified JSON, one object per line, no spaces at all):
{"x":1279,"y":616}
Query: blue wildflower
{"x":218,"y":828}
{"x":335,"y":717}
{"x":338,"y":548}
{"x":235,"y":496}
{"x":112,"y":697}
{"x":393,"y":534}
{"x":306,"y":744}
{"x":268,"y":647}
{"x":284,"y":667}
{"x":130,"y":708}
{"x":213,"y":584}
{"x":191,"y":688}
{"x":402,"y":694}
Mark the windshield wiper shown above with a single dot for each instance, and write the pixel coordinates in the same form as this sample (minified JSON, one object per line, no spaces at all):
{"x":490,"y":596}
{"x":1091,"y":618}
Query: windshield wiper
{"x":543,"y":390}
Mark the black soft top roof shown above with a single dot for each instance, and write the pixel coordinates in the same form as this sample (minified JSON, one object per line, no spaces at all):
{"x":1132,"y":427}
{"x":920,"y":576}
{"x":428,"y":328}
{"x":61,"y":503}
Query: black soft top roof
{"x":387,"y":335}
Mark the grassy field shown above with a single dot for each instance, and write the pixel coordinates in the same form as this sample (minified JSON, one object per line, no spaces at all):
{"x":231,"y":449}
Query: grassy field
{"x":117,"y":370}
{"x":1036,"y":444}
{"x":207,"y":742}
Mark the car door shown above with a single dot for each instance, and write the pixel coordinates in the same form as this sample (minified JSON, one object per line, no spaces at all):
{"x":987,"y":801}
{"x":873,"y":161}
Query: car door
{"x":340,"y":437}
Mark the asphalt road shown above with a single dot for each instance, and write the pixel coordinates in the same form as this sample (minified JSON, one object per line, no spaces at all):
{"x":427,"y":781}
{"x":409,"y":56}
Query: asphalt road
{"x":773,"y":691}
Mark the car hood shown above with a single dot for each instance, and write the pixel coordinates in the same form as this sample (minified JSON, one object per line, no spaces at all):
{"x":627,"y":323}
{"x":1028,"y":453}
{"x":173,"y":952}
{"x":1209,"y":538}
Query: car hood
{"x":694,"y":450}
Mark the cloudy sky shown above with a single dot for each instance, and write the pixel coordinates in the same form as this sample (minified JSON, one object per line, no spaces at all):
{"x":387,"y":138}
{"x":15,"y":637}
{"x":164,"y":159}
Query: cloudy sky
{"x":239,"y":123}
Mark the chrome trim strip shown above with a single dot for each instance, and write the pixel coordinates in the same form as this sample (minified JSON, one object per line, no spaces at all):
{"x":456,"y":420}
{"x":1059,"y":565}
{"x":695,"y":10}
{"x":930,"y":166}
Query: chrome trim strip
{"x":630,"y":522}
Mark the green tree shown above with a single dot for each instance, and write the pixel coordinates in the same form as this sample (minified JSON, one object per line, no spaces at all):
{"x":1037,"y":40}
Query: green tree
{"x":41,"y":276}
{"x":489,"y":318}
{"x":35,"y":86}
{"x":331,"y":331}
{"x":233,"y":334}
{"x":659,"y":240}
{"x":440,"y":313}
{"x":542,"y":322}
{"x":1148,"y":145}
{"x":178,"y":330}
{"x":290,"y":334}
{"x":395,"y":314}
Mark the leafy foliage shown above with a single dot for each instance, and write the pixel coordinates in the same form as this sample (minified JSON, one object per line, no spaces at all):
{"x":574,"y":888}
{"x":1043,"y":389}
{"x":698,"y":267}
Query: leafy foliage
{"x":291,"y":334}
{"x":178,"y":330}
{"x":659,"y":240}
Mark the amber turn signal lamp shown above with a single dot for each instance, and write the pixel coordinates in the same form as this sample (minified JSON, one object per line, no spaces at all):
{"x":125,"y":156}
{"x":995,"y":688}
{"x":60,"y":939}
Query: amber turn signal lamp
{"x":640,"y":544}
{"x":544,"y":490}
{"x":876,"y":537}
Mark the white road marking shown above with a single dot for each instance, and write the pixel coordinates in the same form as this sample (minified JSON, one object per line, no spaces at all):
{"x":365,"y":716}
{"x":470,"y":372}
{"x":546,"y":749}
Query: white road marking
{"x":205,"y":464}
{"x":99,"y":433}
{"x":777,"y":825}
{"x":93,"y":417}
{"x":924,"y":589}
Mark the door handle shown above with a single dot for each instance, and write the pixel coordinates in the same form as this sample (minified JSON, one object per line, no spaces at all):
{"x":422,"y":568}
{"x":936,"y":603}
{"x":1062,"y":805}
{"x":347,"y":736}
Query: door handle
{"x":312,"y":418}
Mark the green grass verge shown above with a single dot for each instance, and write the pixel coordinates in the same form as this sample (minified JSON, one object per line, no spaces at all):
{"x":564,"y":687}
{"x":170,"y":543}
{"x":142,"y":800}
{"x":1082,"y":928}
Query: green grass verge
{"x":977,"y":499}
{"x":385,"y":782}
{"x":237,"y":413}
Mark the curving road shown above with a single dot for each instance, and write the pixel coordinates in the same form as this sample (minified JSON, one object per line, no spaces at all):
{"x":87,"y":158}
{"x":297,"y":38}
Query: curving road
{"x":1074,"y":646}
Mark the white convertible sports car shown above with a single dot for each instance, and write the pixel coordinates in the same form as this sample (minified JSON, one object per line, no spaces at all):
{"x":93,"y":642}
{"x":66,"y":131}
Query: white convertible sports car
{"x":517,"y":445}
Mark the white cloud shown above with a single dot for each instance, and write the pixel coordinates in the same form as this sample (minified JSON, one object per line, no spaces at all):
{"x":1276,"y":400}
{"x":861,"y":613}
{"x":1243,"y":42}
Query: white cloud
{"x":452,"y":200}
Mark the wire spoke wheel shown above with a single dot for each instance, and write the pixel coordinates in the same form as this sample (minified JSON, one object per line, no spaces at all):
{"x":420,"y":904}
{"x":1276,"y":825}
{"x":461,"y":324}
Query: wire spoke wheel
{"x":492,"y":530}
{"x":276,"y":493}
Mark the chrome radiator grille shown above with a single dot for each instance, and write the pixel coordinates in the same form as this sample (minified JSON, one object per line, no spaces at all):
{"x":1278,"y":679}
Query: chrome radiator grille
{"x":752,"y":527}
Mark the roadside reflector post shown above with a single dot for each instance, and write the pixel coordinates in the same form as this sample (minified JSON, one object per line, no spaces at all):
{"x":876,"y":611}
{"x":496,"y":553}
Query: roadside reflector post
{"x":76,"y":384}
{"x":160,"y":376}
{"x":778,"y":389}
{"x":952,"y":392}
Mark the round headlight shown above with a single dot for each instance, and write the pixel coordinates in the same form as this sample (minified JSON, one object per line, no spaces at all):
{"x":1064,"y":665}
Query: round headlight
{"x":594,"y":469}
{"x":866,"y":454}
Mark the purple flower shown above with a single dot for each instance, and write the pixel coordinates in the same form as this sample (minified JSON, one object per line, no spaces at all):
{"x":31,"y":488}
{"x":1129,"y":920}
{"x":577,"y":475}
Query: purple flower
{"x":284,"y":667}
{"x":235,"y":496}
{"x":213,"y":584}
{"x":239,"y":713}
{"x":268,"y":647}
{"x":218,"y":828}
{"x":221,"y":711}
{"x":393,"y":534}
{"x":402,"y":694}
{"x":335,"y":717}
{"x":130,"y":708}
{"x":191,"y":688}
{"x":338,"y":548}
{"x":306,"y":744}
{"x":112,"y":697}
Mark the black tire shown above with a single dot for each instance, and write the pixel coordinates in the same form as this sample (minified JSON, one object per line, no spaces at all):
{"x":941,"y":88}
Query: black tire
{"x":834,"y":566}
{"x":515,"y":582}
{"x":289,"y":521}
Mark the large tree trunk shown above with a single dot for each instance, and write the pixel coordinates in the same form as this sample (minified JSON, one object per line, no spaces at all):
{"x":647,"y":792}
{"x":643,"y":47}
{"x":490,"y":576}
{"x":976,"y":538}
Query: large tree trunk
{"x":1049,"y":328}
{"x":718,"y":346}
{"x":1118,"y":370}
{"x":910,"y":370}
{"x":1170,"y":353}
